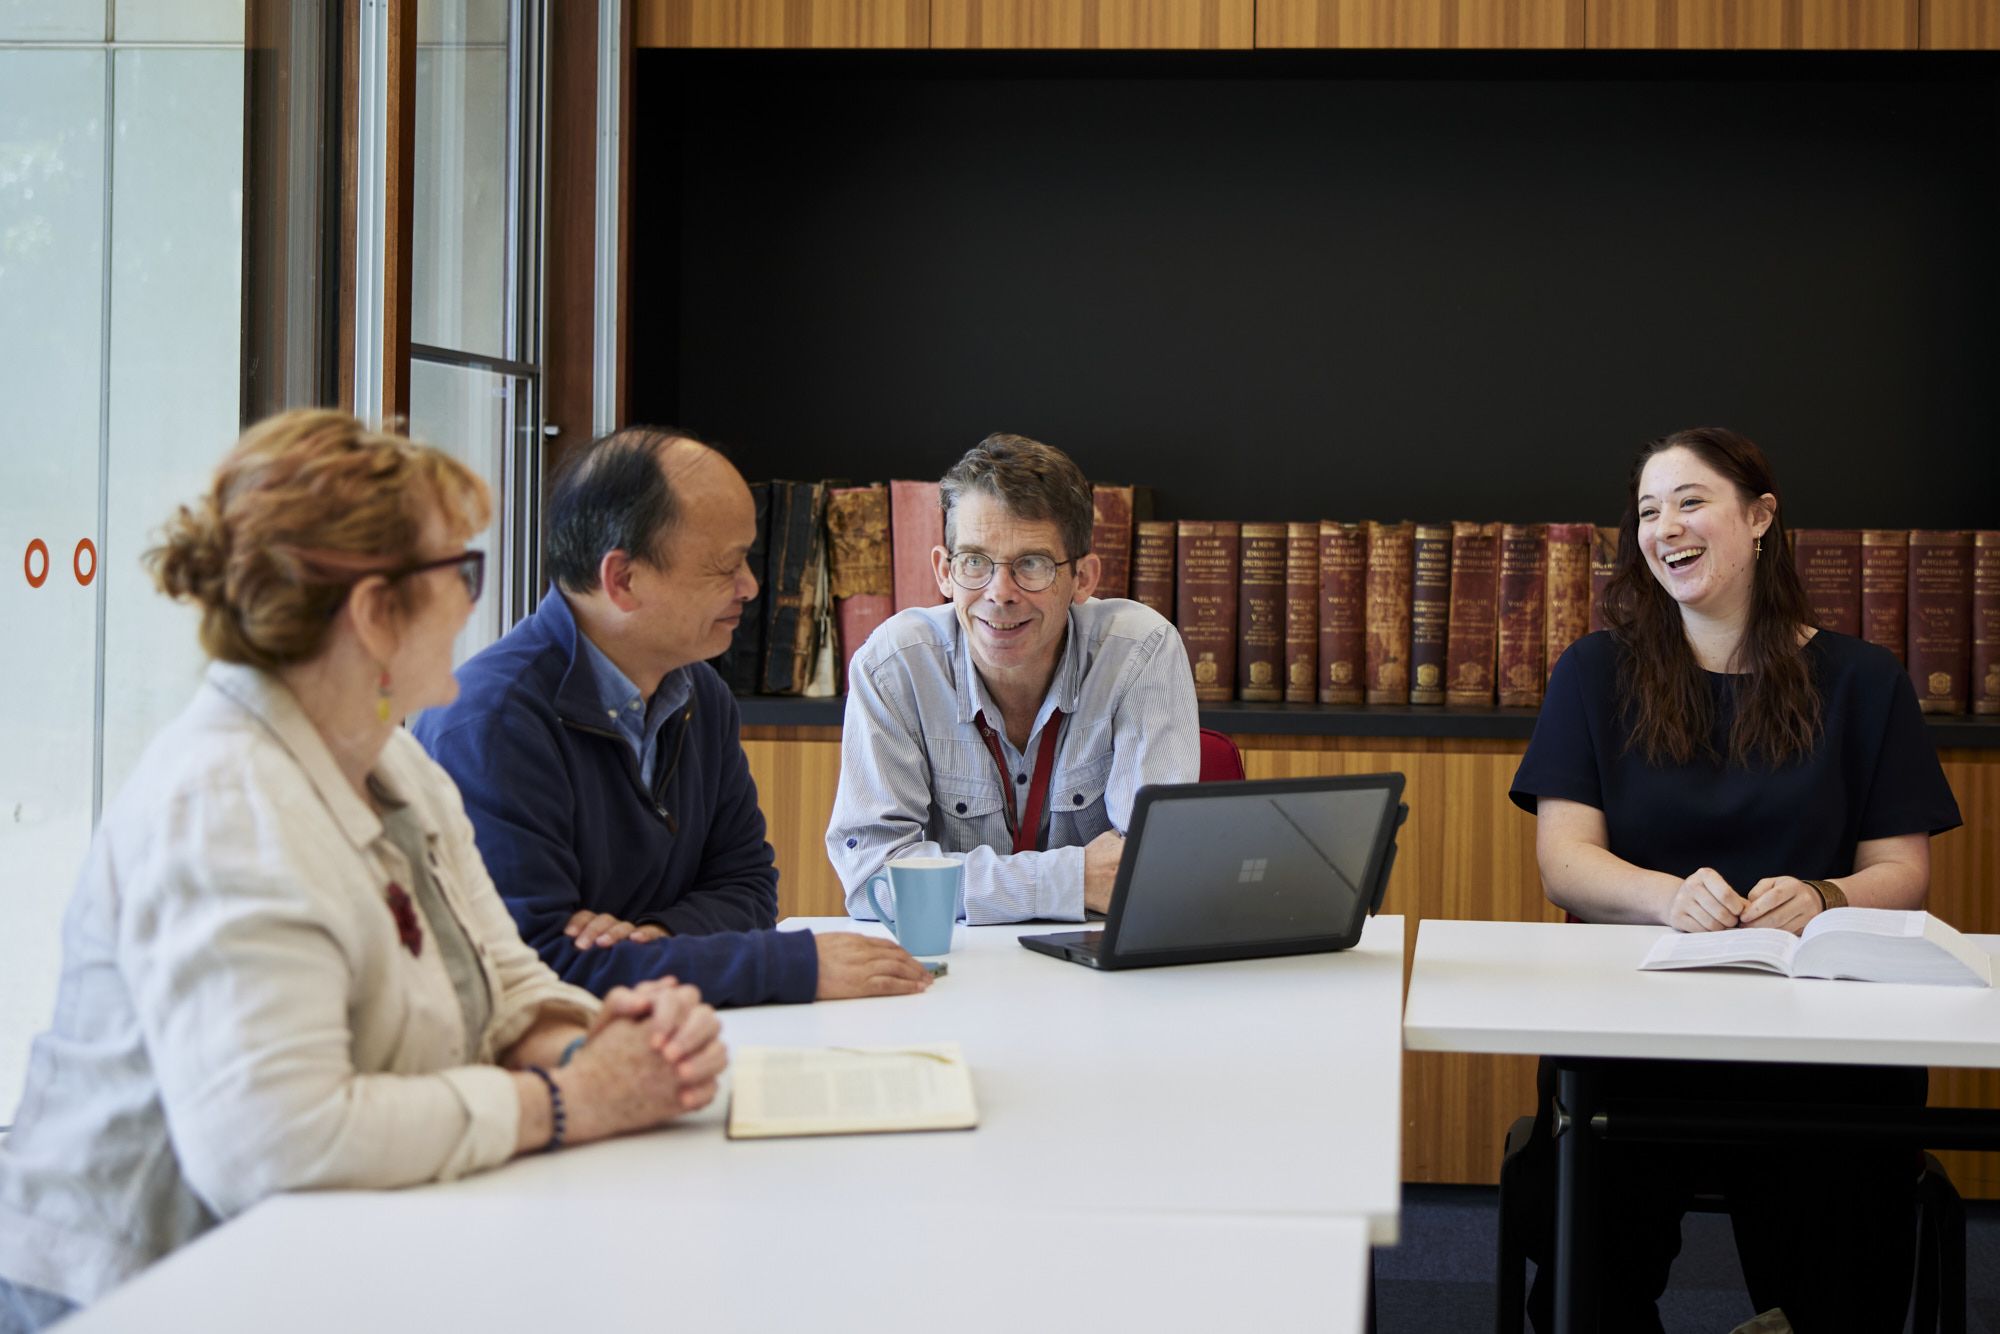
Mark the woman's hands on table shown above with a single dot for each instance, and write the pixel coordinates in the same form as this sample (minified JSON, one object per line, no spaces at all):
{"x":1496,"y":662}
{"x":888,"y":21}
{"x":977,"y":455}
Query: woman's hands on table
{"x":1783,"y":901}
{"x":1705,"y":902}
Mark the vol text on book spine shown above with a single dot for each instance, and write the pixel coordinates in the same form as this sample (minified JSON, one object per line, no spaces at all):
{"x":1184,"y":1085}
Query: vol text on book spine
{"x":1885,"y":569}
{"x":1430,"y":611}
{"x":1829,"y":564}
{"x":1940,"y":611}
{"x":1475,"y":574}
{"x":1343,"y":610}
{"x":1391,"y":569}
{"x":1523,"y":558}
{"x":1301,"y":612}
{"x":1153,"y":556}
{"x":1206,"y":593}
{"x":1986,"y":622}
{"x":1260,"y":613}
{"x":1566,"y":617}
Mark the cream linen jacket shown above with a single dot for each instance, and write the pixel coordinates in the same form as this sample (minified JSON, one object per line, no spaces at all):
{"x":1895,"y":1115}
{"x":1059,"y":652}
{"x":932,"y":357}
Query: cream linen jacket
{"x":237,"y":1015}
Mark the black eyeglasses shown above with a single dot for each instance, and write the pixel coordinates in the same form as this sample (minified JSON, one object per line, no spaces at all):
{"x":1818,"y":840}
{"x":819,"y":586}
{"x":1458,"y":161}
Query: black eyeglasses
{"x":471,"y":566}
{"x":972,"y":570}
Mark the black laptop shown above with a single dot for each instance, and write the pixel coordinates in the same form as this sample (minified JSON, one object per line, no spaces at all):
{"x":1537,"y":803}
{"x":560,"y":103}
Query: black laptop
{"x":1243,"y":871}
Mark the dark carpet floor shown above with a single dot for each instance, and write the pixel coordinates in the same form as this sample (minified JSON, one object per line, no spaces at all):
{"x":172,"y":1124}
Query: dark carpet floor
{"x":1440,"y":1280}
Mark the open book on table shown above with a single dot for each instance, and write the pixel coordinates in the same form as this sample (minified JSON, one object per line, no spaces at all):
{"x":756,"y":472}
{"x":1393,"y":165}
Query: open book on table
{"x":781,"y":1091}
{"x":1864,"y":944}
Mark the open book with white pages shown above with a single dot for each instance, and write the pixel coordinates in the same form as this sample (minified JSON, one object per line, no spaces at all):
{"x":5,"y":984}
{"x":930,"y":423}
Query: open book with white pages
{"x":779,"y":1091}
{"x":1862,"y":944}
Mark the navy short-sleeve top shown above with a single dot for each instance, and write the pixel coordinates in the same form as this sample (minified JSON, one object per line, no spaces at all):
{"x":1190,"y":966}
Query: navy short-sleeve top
{"x":1874,"y":773}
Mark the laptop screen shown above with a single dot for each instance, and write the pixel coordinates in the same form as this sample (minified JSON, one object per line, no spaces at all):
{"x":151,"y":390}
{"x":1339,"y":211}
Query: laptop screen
{"x":1230,"y":865}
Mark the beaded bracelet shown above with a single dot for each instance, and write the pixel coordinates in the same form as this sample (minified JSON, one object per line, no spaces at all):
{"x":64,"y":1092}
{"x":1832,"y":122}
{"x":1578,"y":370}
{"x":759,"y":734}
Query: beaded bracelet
{"x":557,"y":1121}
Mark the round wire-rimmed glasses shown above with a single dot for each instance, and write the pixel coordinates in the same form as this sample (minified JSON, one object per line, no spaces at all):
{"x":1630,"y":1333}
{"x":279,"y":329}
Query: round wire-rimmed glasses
{"x":973,"y":570}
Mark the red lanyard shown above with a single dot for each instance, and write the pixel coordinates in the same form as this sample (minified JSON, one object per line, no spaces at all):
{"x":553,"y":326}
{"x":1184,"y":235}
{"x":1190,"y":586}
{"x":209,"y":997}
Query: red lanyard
{"x":1029,"y":824}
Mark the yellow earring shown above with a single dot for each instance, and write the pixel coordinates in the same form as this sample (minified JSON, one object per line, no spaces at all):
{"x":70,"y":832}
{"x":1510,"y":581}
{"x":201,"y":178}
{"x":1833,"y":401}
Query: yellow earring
{"x":382,"y":697}
{"x":1760,"y":556}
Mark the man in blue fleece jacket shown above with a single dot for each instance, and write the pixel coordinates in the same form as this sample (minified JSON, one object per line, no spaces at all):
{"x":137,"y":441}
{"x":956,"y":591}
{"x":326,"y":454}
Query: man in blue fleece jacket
{"x":598,"y":753}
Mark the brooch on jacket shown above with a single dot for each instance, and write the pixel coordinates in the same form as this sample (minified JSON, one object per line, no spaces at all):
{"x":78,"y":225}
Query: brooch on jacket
{"x":411,"y":934}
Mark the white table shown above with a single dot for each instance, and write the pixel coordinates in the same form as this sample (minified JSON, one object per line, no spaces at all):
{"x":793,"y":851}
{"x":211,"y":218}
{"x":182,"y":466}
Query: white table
{"x":1198,"y":1147}
{"x":1575,"y":992}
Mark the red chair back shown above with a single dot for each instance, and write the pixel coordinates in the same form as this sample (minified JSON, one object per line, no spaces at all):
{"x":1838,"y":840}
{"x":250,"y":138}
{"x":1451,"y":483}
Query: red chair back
{"x":1221,"y":762}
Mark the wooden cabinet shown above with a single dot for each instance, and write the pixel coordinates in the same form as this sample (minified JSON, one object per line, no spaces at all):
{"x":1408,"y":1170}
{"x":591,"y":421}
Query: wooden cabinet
{"x":1093,"y":24}
{"x":1722,"y":25}
{"x":1467,"y":853}
{"x":1961,"y":25}
{"x":1440,"y":24}
{"x":783,"y":23}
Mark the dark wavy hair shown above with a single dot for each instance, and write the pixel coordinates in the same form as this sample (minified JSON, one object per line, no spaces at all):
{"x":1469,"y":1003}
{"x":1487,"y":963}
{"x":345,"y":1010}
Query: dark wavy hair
{"x":1665,"y":694}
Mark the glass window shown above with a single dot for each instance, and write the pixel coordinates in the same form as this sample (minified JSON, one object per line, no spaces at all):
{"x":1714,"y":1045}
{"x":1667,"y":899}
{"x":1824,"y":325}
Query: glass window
{"x":176,"y":329}
{"x":51,"y":285}
{"x":460,"y":289}
{"x":52,"y":21}
{"x":467,"y":414}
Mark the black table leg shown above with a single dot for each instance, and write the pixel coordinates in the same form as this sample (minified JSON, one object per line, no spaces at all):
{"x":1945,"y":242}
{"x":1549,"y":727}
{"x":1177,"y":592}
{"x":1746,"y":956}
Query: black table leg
{"x":1576,"y":1199}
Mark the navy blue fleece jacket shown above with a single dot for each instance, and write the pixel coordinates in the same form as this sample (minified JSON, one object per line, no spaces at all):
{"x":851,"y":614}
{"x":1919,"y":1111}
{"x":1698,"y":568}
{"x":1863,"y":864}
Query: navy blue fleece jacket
{"x":563,"y":822}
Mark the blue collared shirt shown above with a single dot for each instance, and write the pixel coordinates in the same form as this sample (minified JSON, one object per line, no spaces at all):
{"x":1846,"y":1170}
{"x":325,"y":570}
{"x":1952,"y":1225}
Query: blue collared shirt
{"x":628,"y":712}
{"x":917,"y":780}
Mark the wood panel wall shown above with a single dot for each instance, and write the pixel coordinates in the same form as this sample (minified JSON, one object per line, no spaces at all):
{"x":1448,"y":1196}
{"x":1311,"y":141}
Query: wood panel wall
{"x":1688,"y":25}
{"x":1468,"y":854}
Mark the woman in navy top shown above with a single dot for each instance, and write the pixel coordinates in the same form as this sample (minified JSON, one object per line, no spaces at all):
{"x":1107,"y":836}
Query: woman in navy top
{"x":1698,"y":766}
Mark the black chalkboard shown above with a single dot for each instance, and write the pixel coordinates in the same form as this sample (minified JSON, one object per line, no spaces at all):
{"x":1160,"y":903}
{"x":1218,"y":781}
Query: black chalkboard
{"x":1387,"y":286}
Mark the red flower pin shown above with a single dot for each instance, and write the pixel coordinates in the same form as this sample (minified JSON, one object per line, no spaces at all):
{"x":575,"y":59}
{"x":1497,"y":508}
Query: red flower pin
{"x":412,"y":935}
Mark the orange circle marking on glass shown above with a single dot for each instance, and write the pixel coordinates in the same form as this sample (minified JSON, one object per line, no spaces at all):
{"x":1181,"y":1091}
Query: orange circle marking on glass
{"x":85,"y":547}
{"x":28,"y":563}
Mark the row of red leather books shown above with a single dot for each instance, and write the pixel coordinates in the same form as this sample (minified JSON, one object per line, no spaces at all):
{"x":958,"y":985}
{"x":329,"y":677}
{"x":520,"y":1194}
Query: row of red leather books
{"x":1930,"y":596}
{"x":1477,"y":613}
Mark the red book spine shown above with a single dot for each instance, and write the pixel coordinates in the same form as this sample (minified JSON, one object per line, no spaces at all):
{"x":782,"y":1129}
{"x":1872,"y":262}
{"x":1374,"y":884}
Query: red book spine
{"x":1522,"y":636}
{"x":1430,"y":611}
{"x":1343,"y":609}
{"x":1885,"y":588}
{"x":1153,"y":556}
{"x":1111,"y":539}
{"x":1301,"y":612}
{"x":1475,"y":578}
{"x":1391,"y":572}
{"x":1260,"y":613}
{"x":1986,"y":622}
{"x":916,"y":525}
{"x":1566,"y":590}
{"x":1829,"y":564}
{"x":1940,"y":618}
{"x":1603,"y":564}
{"x":1205,"y":584}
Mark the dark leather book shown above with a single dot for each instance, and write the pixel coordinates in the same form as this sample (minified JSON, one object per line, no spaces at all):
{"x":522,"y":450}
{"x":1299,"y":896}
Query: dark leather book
{"x":1343,"y":612}
{"x":916,"y":525}
{"x":860,"y":568}
{"x":739,"y":664}
{"x":1522,"y":631}
{"x":1260,"y":613}
{"x":1153,"y":557}
{"x":795,"y":565}
{"x":1885,"y":589}
{"x":1940,"y":610}
{"x":1301,"y":612}
{"x":1829,"y":564}
{"x":1391,"y":572}
{"x":1475,"y":597}
{"x":1111,"y":539}
{"x":1566,"y":590}
{"x":1603,"y":564}
{"x":1986,"y":622}
{"x":1205,"y":596}
{"x":1430,"y":611}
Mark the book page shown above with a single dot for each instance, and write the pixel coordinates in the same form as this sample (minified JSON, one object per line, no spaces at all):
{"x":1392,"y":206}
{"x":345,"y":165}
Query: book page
{"x":1744,"y":947}
{"x":1867,"y":921}
{"x":850,"y":1090}
{"x":1884,"y":945}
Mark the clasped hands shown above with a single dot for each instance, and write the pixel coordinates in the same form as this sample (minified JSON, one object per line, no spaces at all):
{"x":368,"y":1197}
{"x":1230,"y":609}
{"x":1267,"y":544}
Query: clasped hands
{"x":1706,"y":902}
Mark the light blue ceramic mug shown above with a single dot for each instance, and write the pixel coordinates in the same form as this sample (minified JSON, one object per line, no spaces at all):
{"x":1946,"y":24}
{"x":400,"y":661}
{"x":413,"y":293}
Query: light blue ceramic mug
{"x":927,"y":899}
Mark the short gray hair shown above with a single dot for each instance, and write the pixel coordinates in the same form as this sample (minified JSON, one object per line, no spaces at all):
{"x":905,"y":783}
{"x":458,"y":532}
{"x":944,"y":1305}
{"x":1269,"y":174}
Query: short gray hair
{"x":1033,"y":480}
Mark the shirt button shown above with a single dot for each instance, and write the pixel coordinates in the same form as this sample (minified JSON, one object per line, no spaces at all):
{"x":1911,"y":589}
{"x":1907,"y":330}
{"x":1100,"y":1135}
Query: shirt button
{"x":1020,"y":778}
{"x":851,"y":842}
{"x":1079,"y":798}
{"x":611,"y":713}
{"x":961,"y":808}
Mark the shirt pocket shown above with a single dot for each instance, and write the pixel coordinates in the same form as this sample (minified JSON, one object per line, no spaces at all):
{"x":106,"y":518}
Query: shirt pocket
{"x":973,"y":812}
{"x":1076,"y":793}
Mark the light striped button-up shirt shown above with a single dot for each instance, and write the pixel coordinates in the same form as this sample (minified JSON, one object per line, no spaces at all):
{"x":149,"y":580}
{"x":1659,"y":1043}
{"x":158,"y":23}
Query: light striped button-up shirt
{"x":917,"y":780}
